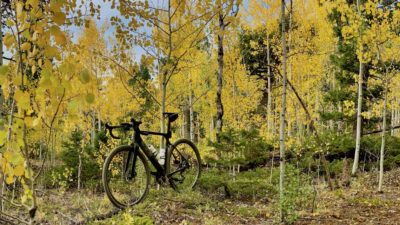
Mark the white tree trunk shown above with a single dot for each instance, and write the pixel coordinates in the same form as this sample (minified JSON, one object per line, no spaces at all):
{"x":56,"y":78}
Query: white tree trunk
{"x":381,"y":158}
{"x":1,"y":97}
{"x":93,"y":128}
{"x":359,"y":119}
{"x":79,"y":170}
{"x":163,"y":105}
{"x":359,"y":108}
{"x":191,"y":119}
{"x":269,"y":100}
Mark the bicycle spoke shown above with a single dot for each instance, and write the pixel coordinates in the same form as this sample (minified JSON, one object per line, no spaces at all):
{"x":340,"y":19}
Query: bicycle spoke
{"x":126,"y":181}
{"x":184,"y":168}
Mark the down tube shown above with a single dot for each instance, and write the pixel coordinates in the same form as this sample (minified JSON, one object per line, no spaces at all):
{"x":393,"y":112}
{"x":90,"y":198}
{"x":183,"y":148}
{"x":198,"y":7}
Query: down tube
{"x":151,"y":157}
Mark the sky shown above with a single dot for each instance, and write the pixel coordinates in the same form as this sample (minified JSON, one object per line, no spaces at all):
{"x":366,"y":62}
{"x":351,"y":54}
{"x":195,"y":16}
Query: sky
{"x":105,"y":14}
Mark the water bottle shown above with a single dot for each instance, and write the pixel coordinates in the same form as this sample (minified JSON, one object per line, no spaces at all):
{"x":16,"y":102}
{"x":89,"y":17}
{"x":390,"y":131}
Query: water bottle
{"x":161,"y":156}
{"x":153,"y":150}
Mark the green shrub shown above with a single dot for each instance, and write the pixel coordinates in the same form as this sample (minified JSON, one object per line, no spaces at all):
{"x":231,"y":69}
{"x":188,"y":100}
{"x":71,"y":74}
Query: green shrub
{"x":298,"y":192}
{"x":241,"y":147}
{"x":213,"y":180}
{"x":252,"y":184}
{"x":72,"y":148}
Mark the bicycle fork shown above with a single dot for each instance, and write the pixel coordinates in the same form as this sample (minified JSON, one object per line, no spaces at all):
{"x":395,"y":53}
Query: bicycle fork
{"x":131,"y":154}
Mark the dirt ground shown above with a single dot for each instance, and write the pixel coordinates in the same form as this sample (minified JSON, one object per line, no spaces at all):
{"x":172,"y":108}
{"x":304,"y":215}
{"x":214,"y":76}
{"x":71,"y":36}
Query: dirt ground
{"x":358,"y":204}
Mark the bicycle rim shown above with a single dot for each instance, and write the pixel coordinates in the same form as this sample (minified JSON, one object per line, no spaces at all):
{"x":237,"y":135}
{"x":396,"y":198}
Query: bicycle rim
{"x":183,"y":165}
{"x":123,"y":186}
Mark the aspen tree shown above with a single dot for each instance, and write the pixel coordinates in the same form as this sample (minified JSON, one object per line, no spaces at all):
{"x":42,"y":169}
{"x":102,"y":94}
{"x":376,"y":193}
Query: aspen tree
{"x":283,"y":111}
{"x":227,"y":9}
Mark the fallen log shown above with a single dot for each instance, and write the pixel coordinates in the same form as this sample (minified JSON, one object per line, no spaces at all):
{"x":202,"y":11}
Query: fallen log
{"x":381,"y":130}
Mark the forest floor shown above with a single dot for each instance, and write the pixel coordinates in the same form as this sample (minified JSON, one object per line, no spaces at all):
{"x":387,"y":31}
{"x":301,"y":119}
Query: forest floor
{"x":358,"y":204}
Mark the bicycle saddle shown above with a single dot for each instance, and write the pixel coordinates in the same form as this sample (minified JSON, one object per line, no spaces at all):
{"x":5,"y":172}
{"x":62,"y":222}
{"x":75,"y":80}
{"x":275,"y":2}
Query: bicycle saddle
{"x":171,"y":116}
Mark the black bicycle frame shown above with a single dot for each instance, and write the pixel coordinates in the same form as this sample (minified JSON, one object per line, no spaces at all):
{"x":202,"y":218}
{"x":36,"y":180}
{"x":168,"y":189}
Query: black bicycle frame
{"x":137,"y":142}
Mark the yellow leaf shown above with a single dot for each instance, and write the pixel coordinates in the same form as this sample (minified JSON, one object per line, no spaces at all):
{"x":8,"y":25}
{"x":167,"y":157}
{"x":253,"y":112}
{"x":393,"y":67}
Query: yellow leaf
{"x":19,"y":8}
{"x":51,"y":51}
{"x":36,"y":122}
{"x":10,"y":23}
{"x":33,"y":69}
{"x":3,"y":70}
{"x":10,"y":179}
{"x":60,"y":38}
{"x":23,"y":99}
{"x":3,"y":74}
{"x":45,"y":82}
{"x":25,"y":46}
{"x":59,"y":18}
{"x":19,"y":170}
{"x":8,"y":155}
{"x":33,"y":3}
{"x":8,"y":40}
{"x":3,"y":135}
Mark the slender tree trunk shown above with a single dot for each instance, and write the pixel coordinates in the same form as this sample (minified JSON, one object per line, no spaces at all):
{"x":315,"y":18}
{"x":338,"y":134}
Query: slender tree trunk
{"x":272,"y":167}
{"x":1,"y":97}
{"x":163,"y":106}
{"x":186,"y":116}
{"x":283,"y":113}
{"x":359,"y":108}
{"x":218,"y":101}
{"x":381,"y":158}
{"x":93,"y":128}
{"x":269,"y":100}
{"x":392,"y":122}
{"x":359,"y":120}
{"x":99,"y":120}
{"x":79,"y":170}
{"x":191,"y":116}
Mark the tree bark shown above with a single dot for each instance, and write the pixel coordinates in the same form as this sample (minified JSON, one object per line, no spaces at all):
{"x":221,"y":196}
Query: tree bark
{"x":359,"y":109}
{"x":381,"y":158}
{"x":191,"y":117}
{"x":79,"y":170}
{"x":283,"y":114}
{"x":163,"y":105}
{"x":218,"y":101}
{"x":93,"y":133}
{"x":269,"y":99}
{"x":359,"y":120}
{"x":1,"y":97}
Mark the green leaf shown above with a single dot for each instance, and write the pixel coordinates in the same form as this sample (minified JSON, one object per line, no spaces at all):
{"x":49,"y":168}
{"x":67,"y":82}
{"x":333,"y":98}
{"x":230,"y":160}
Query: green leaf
{"x":90,"y":98}
{"x":84,"y":76}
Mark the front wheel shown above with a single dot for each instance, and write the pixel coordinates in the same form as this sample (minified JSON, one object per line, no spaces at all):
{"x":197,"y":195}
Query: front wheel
{"x":126,"y":176}
{"x":183,"y":165}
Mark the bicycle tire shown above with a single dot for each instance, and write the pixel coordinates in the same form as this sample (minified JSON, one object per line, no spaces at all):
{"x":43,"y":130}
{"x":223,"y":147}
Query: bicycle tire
{"x":106,"y":177}
{"x":170,"y":168}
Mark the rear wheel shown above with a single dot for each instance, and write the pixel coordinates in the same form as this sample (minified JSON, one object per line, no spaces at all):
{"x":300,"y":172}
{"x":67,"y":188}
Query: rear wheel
{"x":183,"y":165}
{"x":126,"y":182}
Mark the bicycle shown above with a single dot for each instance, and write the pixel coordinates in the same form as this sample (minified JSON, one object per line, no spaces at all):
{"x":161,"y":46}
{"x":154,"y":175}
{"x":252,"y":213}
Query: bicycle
{"x":126,"y":172}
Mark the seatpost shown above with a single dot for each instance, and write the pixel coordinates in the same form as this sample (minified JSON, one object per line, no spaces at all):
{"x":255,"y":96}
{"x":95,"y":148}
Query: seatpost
{"x":169,"y":129}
